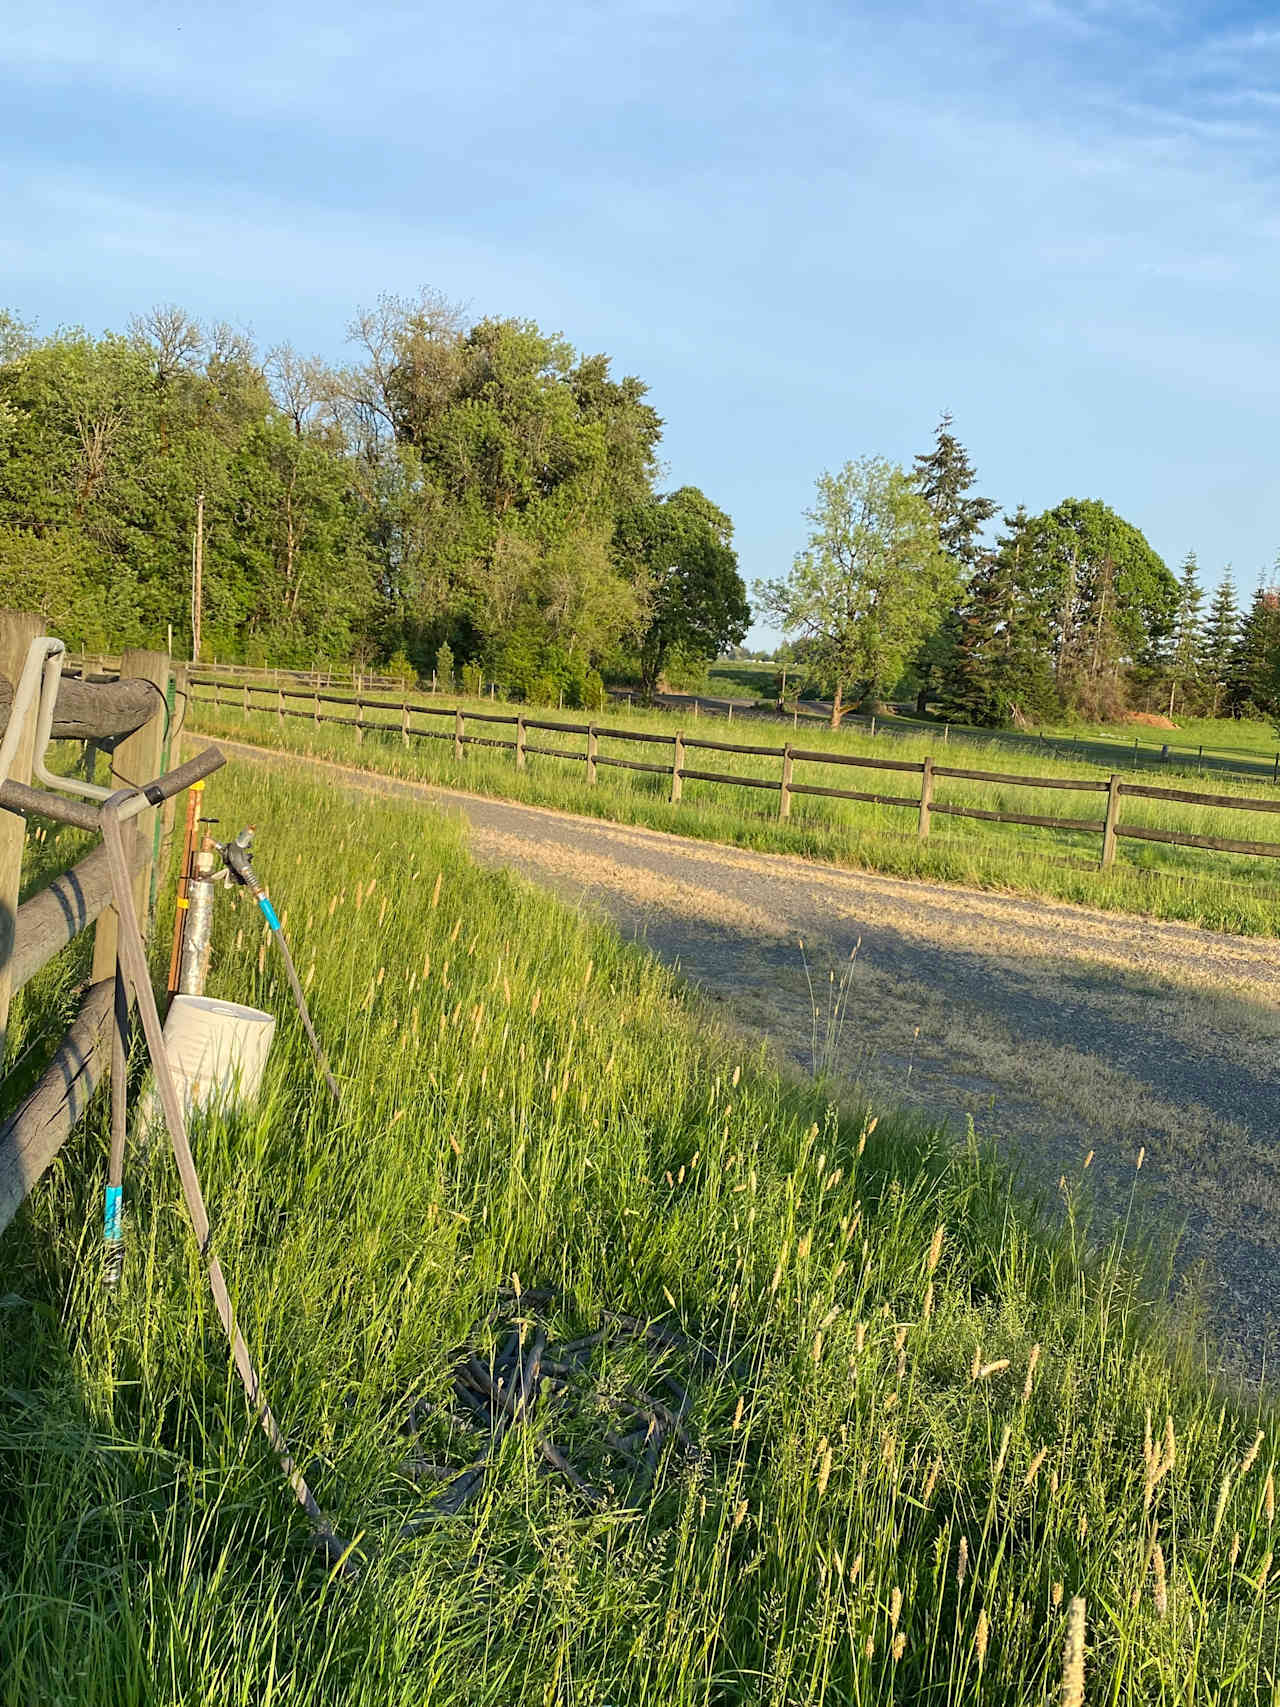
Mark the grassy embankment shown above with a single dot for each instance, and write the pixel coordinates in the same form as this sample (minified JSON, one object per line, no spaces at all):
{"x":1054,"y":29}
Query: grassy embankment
{"x":1219,"y":891}
{"x":933,"y":1424}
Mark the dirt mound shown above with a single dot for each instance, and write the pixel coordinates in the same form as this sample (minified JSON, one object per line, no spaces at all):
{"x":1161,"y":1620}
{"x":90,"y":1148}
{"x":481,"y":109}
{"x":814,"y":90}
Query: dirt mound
{"x":1151,"y":720}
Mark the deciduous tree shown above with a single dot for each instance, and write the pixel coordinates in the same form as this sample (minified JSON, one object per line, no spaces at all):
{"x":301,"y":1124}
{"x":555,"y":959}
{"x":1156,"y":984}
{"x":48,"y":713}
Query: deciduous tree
{"x":869,"y":584}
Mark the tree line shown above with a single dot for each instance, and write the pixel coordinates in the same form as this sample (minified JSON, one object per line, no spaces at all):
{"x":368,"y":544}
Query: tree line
{"x":1066,"y":613}
{"x":469,"y":490}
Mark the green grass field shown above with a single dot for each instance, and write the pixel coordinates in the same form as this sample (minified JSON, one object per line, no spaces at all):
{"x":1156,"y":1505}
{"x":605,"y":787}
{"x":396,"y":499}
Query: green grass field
{"x":933,"y":1419}
{"x":1220,"y":891}
{"x":1195,"y":744}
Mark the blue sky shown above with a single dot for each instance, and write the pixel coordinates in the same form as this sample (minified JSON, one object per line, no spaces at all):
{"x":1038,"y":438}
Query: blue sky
{"x":810,"y":228}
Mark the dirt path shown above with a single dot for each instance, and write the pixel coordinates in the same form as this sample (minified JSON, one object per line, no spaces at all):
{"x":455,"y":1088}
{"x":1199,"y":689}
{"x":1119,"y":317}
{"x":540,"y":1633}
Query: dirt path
{"x":1060,"y":1030}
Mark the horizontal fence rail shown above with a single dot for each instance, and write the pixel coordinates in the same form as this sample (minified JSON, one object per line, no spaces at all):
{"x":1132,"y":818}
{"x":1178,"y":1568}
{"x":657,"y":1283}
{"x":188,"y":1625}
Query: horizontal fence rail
{"x":1220,"y":760}
{"x":409,"y":727}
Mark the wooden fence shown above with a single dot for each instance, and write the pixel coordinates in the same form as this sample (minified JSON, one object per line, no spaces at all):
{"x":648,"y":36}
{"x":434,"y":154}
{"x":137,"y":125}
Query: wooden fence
{"x":922,"y":800}
{"x":137,"y":719}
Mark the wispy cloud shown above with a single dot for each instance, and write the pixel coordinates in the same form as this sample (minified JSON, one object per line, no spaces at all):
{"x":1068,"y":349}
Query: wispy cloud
{"x":810,"y":226}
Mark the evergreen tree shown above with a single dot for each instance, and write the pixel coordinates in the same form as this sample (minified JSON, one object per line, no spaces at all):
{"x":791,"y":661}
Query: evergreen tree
{"x":1188,"y":635}
{"x":1252,"y":688}
{"x":1221,"y":632}
{"x":999,"y":669}
{"x":944,"y":477}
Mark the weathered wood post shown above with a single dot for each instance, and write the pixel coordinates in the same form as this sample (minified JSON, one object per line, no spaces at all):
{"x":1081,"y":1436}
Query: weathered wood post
{"x":17,"y":631}
{"x":784,"y":798}
{"x":316,"y":691}
{"x":459,"y":724}
{"x":279,"y":703}
{"x":593,"y":751}
{"x":360,"y":721}
{"x":246,"y":696}
{"x":520,"y":742}
{"x":677,"y":766}
{"x":1109,"y":824}
{"x":136,"y":760}
{"x":179,"y":693}
{"x":404,"y":723}
{"x":926,"y":795}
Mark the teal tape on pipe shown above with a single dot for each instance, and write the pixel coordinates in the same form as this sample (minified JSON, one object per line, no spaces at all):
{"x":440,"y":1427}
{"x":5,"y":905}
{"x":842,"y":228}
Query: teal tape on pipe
{"x":111,"y":1214}
{"x":269,"y":912}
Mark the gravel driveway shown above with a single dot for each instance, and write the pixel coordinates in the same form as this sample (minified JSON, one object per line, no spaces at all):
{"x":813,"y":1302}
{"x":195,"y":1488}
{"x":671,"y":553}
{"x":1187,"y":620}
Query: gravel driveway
{"x":1057,"y":1029}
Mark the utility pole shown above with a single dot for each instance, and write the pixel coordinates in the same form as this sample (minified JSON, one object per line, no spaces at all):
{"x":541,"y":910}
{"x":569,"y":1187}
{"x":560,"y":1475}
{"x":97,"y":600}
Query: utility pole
{"x":197,"y":580}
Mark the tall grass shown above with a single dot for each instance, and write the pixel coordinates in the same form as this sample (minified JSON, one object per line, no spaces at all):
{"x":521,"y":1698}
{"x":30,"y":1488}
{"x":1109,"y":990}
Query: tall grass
{"x":936,"y":1420}
{"x":1219,"y":891}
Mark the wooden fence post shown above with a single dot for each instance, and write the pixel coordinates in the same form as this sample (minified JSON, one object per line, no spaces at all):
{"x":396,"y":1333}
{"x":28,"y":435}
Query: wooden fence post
{"x":593,"y":748}
{"x":279,"y":703}
{"x":17,"y":631}
{"x":180,"y":699}
{"x":136,"y":760}
{"x":677,"y":765}
{"x":926,"y":795}
{"x":459,"y":725}
{"x":784,"y":798}
{"x":520,"y":741}
{"x":404,"y":723}
{"x":246,"y":697}
{"x":1109,"y":826}
{"x":316,"y":691}
{"x":360,"y":720}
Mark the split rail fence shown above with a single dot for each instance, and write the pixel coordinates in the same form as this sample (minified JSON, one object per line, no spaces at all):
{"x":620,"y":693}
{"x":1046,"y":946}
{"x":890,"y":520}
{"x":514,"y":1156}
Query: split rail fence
{"x":320,"y":709}
{"x":135,"y":719}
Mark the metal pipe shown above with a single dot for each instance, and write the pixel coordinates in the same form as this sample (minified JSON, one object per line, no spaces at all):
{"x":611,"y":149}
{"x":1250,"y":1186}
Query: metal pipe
{"x":198,"y":932}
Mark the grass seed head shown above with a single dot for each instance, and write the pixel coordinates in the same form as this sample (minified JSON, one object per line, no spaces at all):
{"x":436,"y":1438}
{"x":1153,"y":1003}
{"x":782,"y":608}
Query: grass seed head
{"x":1072,"y":1691}
{"x":1032,"y":1360}
{"x":980,"y":1637}
{"x":824,"y":1465}
{"x":962,"y":1561}
{"x":934,"y":1256}
{"x":1251,"y":1456}
{"x":1160,"y":1585}
{"x":895,"y":1608}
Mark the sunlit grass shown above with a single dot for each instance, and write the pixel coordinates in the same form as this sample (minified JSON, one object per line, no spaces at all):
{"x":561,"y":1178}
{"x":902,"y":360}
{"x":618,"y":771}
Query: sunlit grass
{"x":1217,"y":890}
{"x":936,"y":1420}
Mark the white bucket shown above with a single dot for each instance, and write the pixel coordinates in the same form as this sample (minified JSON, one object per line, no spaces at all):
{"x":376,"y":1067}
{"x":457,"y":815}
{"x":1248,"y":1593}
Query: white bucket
{"x":217,"y":1053}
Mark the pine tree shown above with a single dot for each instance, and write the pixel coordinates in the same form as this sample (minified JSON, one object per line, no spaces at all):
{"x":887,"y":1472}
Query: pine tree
{"x":999,"y":669}
{"x":1188,"y":636}
{"x":943,"y":478}
{"x":1221,"y":632}
{"x":972,"y":679}
{"x":1252,"y":688}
